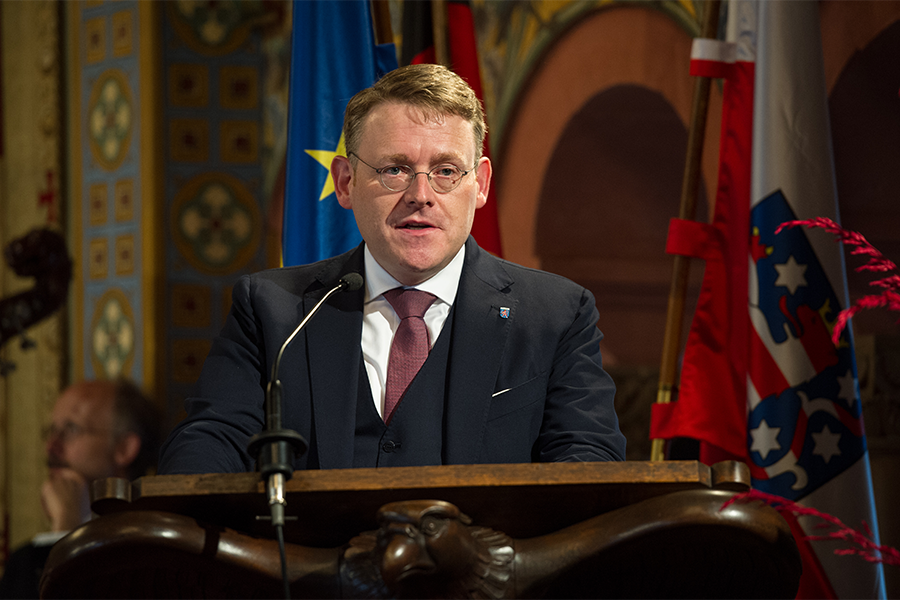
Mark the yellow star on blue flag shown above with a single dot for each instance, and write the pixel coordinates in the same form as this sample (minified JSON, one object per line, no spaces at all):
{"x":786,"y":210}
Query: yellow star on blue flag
{"x":324,"y":158}
{"x":333,"y":56}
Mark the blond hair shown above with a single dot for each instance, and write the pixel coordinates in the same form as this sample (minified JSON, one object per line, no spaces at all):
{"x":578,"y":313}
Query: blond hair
{"x":434,"y":89}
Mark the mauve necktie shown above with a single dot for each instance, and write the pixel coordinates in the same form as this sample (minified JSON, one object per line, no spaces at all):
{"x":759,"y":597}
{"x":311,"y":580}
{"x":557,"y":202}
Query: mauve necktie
{"x":410,"y":346}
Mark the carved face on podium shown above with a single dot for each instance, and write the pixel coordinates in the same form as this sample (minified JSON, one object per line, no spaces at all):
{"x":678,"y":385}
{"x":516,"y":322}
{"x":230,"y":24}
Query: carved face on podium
{"x":428,"y":547}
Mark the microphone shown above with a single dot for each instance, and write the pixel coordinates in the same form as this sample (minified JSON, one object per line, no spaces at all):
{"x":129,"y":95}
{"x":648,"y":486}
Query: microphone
{"x":274,"y":448}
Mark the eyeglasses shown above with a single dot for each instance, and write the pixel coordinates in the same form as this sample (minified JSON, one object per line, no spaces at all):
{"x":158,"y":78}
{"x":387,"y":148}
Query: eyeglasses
{"x":442,"y":178}
{"x":69,"y":431}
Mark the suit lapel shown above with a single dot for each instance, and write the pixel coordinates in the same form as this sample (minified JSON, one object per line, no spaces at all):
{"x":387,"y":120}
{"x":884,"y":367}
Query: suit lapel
{"x":480,"y":332}
{"x":332,"y":345}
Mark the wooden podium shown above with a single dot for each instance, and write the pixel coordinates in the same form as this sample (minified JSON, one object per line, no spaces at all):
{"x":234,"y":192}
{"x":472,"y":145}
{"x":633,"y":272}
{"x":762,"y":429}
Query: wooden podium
{"x":632,"y":529}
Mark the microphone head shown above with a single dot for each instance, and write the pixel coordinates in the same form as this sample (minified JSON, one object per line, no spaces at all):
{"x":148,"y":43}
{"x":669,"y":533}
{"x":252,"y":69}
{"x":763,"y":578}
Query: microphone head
{"x":352,"y":282}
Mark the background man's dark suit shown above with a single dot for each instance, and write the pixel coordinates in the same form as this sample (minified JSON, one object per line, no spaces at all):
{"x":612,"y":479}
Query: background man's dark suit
{"x":519,"y":389}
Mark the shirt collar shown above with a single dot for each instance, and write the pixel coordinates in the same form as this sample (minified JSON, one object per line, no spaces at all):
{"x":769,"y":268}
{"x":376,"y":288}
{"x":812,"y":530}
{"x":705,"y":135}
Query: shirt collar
{"x":443,"y":284}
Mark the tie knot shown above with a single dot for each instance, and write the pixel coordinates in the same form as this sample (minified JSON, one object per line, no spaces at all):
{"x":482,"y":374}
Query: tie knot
{"x":409,"y":302}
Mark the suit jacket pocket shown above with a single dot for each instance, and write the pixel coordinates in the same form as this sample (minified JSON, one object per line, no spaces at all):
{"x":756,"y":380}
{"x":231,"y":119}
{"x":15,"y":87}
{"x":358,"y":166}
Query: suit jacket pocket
{"x":509,"y":400}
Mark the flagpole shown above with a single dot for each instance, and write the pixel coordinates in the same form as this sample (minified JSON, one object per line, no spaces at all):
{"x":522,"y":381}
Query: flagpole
{"x":381,"y":16}
{"x":668,"y":370}
{"x":439,"y":32}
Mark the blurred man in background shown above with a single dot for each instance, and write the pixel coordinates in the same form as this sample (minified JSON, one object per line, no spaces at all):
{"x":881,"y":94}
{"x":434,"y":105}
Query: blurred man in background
{"x":98,"y":429}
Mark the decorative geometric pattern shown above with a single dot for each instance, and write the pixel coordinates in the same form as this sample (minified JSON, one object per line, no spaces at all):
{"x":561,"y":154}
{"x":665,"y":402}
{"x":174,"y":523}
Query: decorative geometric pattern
{"x":191,"y":305}
{"x":189,"y":140}
{"x":122,"y":33}
{"x":124,"y":254}
{"x":98,"y":258}
{"x":95,"y":40}
{"x":239,"y":141}
{"x":110,"y":119}
{"x":187,"y":359}
{"x":216,"y":223}
{"x":97,"y":202}
{"x":189,"y":85}
{"x":124,"y":200}
{"x":212,"y":28}
{"x":112,"y":335}
{"x":239,"y":87}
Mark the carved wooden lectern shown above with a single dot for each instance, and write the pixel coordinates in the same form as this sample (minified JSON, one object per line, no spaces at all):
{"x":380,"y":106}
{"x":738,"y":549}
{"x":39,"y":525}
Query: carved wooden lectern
{"x":632,"y":529}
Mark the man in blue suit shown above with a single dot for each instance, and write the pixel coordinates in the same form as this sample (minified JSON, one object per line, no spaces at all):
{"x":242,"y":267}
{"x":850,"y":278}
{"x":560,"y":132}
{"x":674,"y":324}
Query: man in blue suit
{"x":514,"y":371}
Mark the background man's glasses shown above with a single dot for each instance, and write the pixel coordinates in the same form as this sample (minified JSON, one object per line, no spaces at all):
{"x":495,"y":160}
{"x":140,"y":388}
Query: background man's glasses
{"x":442,"y":178}
{"x":70,"y":431}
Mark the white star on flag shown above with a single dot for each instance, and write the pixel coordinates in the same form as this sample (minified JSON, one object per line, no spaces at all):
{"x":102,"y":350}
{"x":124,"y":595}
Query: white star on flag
{"x":765,"y":439}
{"x":791,"y":274}
{"x":826,"y":444}
{"x":848,"y":389}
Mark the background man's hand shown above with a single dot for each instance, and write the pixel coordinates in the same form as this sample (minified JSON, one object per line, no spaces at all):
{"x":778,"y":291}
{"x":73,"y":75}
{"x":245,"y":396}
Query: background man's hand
{"x":65,"y":498}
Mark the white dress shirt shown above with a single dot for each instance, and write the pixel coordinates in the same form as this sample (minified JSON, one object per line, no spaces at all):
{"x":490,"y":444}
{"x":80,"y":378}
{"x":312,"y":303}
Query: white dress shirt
{"x":380,"y":320}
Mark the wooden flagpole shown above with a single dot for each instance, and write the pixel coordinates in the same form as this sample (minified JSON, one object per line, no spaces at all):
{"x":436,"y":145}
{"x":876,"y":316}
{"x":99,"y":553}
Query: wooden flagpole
{"x":381,"y":17}
{"x":668,"y":371}
{"x":439,"y":32}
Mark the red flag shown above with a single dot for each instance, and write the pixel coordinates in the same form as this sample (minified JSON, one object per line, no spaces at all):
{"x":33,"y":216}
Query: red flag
{"x":418,"y":48}
{"x":715,"y":361}
{"x":761,"y":379}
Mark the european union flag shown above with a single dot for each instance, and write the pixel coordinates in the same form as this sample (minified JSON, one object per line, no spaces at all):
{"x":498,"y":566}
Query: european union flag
{"x":333,"y":56}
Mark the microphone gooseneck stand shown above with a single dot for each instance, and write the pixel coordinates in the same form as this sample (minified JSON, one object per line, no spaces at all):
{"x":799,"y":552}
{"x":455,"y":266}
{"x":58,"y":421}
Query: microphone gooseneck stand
{"x":275,"y":448}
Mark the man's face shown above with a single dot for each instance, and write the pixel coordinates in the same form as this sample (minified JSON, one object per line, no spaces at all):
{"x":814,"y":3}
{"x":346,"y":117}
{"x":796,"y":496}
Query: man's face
{"x":412,"y":233}
{"x":81,"y":435}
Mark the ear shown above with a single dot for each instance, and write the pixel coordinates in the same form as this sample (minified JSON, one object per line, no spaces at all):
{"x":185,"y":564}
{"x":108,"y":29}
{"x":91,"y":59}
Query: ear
{"x":127,"y":448}
{"x":341,"y":174}
{"x":483,"y":175}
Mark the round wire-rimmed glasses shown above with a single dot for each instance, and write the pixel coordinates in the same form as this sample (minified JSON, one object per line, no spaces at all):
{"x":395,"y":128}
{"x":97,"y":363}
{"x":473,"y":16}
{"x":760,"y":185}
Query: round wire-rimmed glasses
{"x":442,"y":179}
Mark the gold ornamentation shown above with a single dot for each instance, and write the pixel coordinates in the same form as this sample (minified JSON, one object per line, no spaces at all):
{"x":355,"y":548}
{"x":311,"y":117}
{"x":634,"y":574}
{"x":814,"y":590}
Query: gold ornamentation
{"x":216,"y":223}
{"x":124,"y":254}
{"x":239,"y":142}
{"x":189,"y":140}
{"x":110,"y":119}
{"x":112,"y":335}
{"x":97,"y":203}
{"x":188,"y":86}
{"x":98,"y":258}
{"x":212,"y":28}
{"x":95,"y":40}
{"x":191,"y":305}
{"x":122,"y":33}
{"x":187,"y":359}
{"x":123,"y":200}
{"x":239,"y":87}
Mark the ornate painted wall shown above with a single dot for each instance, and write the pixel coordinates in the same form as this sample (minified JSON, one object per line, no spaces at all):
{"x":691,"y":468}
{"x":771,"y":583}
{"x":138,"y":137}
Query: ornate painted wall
{"x":175,"y":134}
{"x":213,"y":193}
{"x":173,"y":138}
{"x":114,"y":175}
{"x":31,"y":192}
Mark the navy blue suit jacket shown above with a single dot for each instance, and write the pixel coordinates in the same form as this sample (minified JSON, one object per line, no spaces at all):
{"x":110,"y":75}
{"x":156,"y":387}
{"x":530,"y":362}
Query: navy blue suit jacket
{"x":526,"y":388}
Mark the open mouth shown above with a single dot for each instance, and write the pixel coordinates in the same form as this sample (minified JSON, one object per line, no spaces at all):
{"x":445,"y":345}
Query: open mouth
{"x":415,"y":226}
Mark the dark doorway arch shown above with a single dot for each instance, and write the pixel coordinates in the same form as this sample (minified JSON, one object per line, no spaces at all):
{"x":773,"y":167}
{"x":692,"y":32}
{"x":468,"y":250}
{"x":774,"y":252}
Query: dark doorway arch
{"x":865,"y":123}
{"x":611,"y":187}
